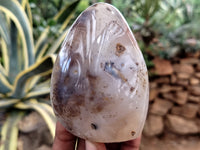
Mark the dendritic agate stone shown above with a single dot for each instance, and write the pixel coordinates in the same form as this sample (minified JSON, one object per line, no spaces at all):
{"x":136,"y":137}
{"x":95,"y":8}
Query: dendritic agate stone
{"x":99,"y":86}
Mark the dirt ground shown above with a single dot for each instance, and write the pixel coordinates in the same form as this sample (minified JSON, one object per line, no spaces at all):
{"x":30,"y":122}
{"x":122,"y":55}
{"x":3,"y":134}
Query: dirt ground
{"x":34,"y":135}
{"x":171,"y":142}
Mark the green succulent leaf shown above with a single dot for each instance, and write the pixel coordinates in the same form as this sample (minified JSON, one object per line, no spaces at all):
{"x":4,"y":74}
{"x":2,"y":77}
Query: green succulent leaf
{"x":4,"y":103}
{"x":40,"y":68}
{"x":57,"y":43}
{"x":15,"y":12}
{"x":66,"y":11}
{"x":64,"y":16}
{"x":41,"y":42}
{"x":14,"y":65}
{"x":43,"y":109}
{"x":5,"y":43}
{"x":9,"y":132}
{"x":4,"y":29}
{"x":3,"y":72}
{"x":27,"y":8}
{"x":5,"y":86}
{"x":39,"y":90}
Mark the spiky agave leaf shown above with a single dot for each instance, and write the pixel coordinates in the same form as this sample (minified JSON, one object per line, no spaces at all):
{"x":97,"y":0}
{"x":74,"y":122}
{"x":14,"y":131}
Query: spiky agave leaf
{"x":42,"y":67}
{"x":63,"y":16}
{"x":43,"y":109}
{"x":5,"y":103}
{"x":27,"y":8}
{"x":9,"y":132}
{"x":15,"y":12}
{"x":39,"y":90}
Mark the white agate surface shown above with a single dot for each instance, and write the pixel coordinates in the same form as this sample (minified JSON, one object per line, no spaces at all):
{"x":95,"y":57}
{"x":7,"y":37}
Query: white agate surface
{"x":99,"y":87}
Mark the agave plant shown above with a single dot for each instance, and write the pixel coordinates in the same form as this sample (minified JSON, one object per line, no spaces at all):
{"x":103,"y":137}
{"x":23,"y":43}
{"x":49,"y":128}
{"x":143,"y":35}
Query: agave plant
{"x":146,"y":10}
{"x":179,"y":28}
{"x":25,"y":66}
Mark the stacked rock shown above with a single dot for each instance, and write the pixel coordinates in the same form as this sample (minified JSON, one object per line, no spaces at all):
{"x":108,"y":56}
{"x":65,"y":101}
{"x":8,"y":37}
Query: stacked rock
{"x":175,"y":97}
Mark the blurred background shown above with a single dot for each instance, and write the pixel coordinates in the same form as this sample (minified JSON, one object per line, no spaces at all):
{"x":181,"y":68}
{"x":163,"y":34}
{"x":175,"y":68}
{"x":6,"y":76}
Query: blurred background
{"x":167,"y":31}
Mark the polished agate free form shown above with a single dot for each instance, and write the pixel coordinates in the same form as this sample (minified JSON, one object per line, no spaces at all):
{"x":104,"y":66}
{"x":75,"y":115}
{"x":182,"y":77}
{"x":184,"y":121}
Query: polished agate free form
{"x":99,"y":86}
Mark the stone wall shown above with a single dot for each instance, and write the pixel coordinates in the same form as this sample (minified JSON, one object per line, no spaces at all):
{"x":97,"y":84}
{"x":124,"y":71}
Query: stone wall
{"x":174,"y":97}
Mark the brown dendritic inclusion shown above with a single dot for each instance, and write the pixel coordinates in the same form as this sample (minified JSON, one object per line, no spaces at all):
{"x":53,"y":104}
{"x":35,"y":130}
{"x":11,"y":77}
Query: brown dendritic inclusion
{"x":99,"y":86}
